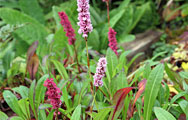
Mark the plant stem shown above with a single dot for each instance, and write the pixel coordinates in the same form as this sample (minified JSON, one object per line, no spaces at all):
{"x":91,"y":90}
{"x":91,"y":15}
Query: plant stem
{"x":108,"y":12}
{"x":77,"y":58}
{"x":56,"y":114}
{"x":91,"y":84}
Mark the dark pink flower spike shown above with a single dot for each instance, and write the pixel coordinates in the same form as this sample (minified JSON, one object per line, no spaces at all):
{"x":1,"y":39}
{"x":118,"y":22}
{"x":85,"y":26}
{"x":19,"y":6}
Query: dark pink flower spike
{"x":112,"y":40}
{"x":70,"y":33}
{"x":53,"y":93}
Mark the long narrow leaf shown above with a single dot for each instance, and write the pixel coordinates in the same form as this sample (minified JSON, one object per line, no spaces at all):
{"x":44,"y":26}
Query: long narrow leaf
{"x":151,"y":90}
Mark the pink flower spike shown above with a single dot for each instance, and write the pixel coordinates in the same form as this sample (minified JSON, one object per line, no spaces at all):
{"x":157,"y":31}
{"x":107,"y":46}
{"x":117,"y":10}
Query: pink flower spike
{"x":100,"y":72}
{"x":84,"y":17}
{"x":67,"y":27}
{"x":53,"y":93}
{"x":112,"y":40}
{"x":105,"y":0}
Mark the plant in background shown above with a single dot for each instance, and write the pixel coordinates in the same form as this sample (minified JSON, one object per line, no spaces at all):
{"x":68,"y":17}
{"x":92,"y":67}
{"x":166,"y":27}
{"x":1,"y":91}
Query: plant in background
{"x":162,"y":47}
{"x":69,"y":33}
{"x":112,"y":40}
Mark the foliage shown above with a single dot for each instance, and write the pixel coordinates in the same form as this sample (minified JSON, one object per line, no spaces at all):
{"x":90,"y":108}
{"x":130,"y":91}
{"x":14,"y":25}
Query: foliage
{"x":32,"y":36}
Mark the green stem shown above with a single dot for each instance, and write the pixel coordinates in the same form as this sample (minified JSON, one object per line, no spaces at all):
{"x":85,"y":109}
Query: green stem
{"x":77,"y":58}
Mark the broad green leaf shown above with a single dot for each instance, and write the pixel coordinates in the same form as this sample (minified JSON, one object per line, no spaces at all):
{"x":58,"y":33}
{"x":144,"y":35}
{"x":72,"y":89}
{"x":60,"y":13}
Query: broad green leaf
{"x":121,"y":81}
{"x":151,"y":90}
{"x":17,"y":118}
{"x":184,"y":106}
{"x":102,"y":114}
{"x":42,"y":115}
{"x":40,"y":90}
{"x":31,"y":32}
{"x":32,"y":97}
{"x":22,"y":90}
{"x":124,"y":24}
{"x":12,"y":102}
{"x":76,"y":114}
{"x":112,"y":61}
{"x":85,"y":85}
{"x":115,"y":18}
{"x":61,"y":69}
{"x":93,"y":40}
{"x":32,"y":8}
{"x":24,"y":106}
{"x":3,"y":116}
{"x":10,"y":3}
{"x":163,"y":114}
{"x":95,"y":15}
{"x":147,"y":70}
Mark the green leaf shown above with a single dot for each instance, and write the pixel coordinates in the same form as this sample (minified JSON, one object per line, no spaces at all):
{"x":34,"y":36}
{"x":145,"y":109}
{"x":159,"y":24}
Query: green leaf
{"x":84,"y":87}
{"x":112,"y":61}
{"x":163,"y":114}
{"x":50,"y":115}
{"x":121,"y":81}
{"x":32,"y":8}
{"x":22,"y":90}
{"x":93,"y":40}
{"x":31,"y":32}
{"x":61,"y":69}
{"x":31,"y":97}
{"x":101,"y":115}
{"x":65,"y":97}
{"x":76,"y":114}
{"x":16,"y":118}
{"x":184,"y":106}
{"x":24,"y":106}
{"x":147,"y":70}
{"x":134,"y":58}
{"x":12,"y":102}
{"x":10,"y":3}
{"x":151,"y":90}
{"x":3,"y":116}
{"x":40,"y":90}
{"x":95,"y":15}
{"x":115,"y":18}
{"x":184,"y":74}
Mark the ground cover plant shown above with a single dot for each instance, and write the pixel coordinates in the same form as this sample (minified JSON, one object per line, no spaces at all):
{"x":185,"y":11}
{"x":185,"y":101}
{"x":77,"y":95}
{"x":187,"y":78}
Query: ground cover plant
{"x":68,"y":64}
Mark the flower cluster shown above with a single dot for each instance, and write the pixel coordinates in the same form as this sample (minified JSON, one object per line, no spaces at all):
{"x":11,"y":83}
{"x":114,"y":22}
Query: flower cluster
{"x":53,"y":93}
{"x":100,"y":72}
{"x":84,"y":17}
{"x":112,"y":40}
{"x":67,"y":27}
